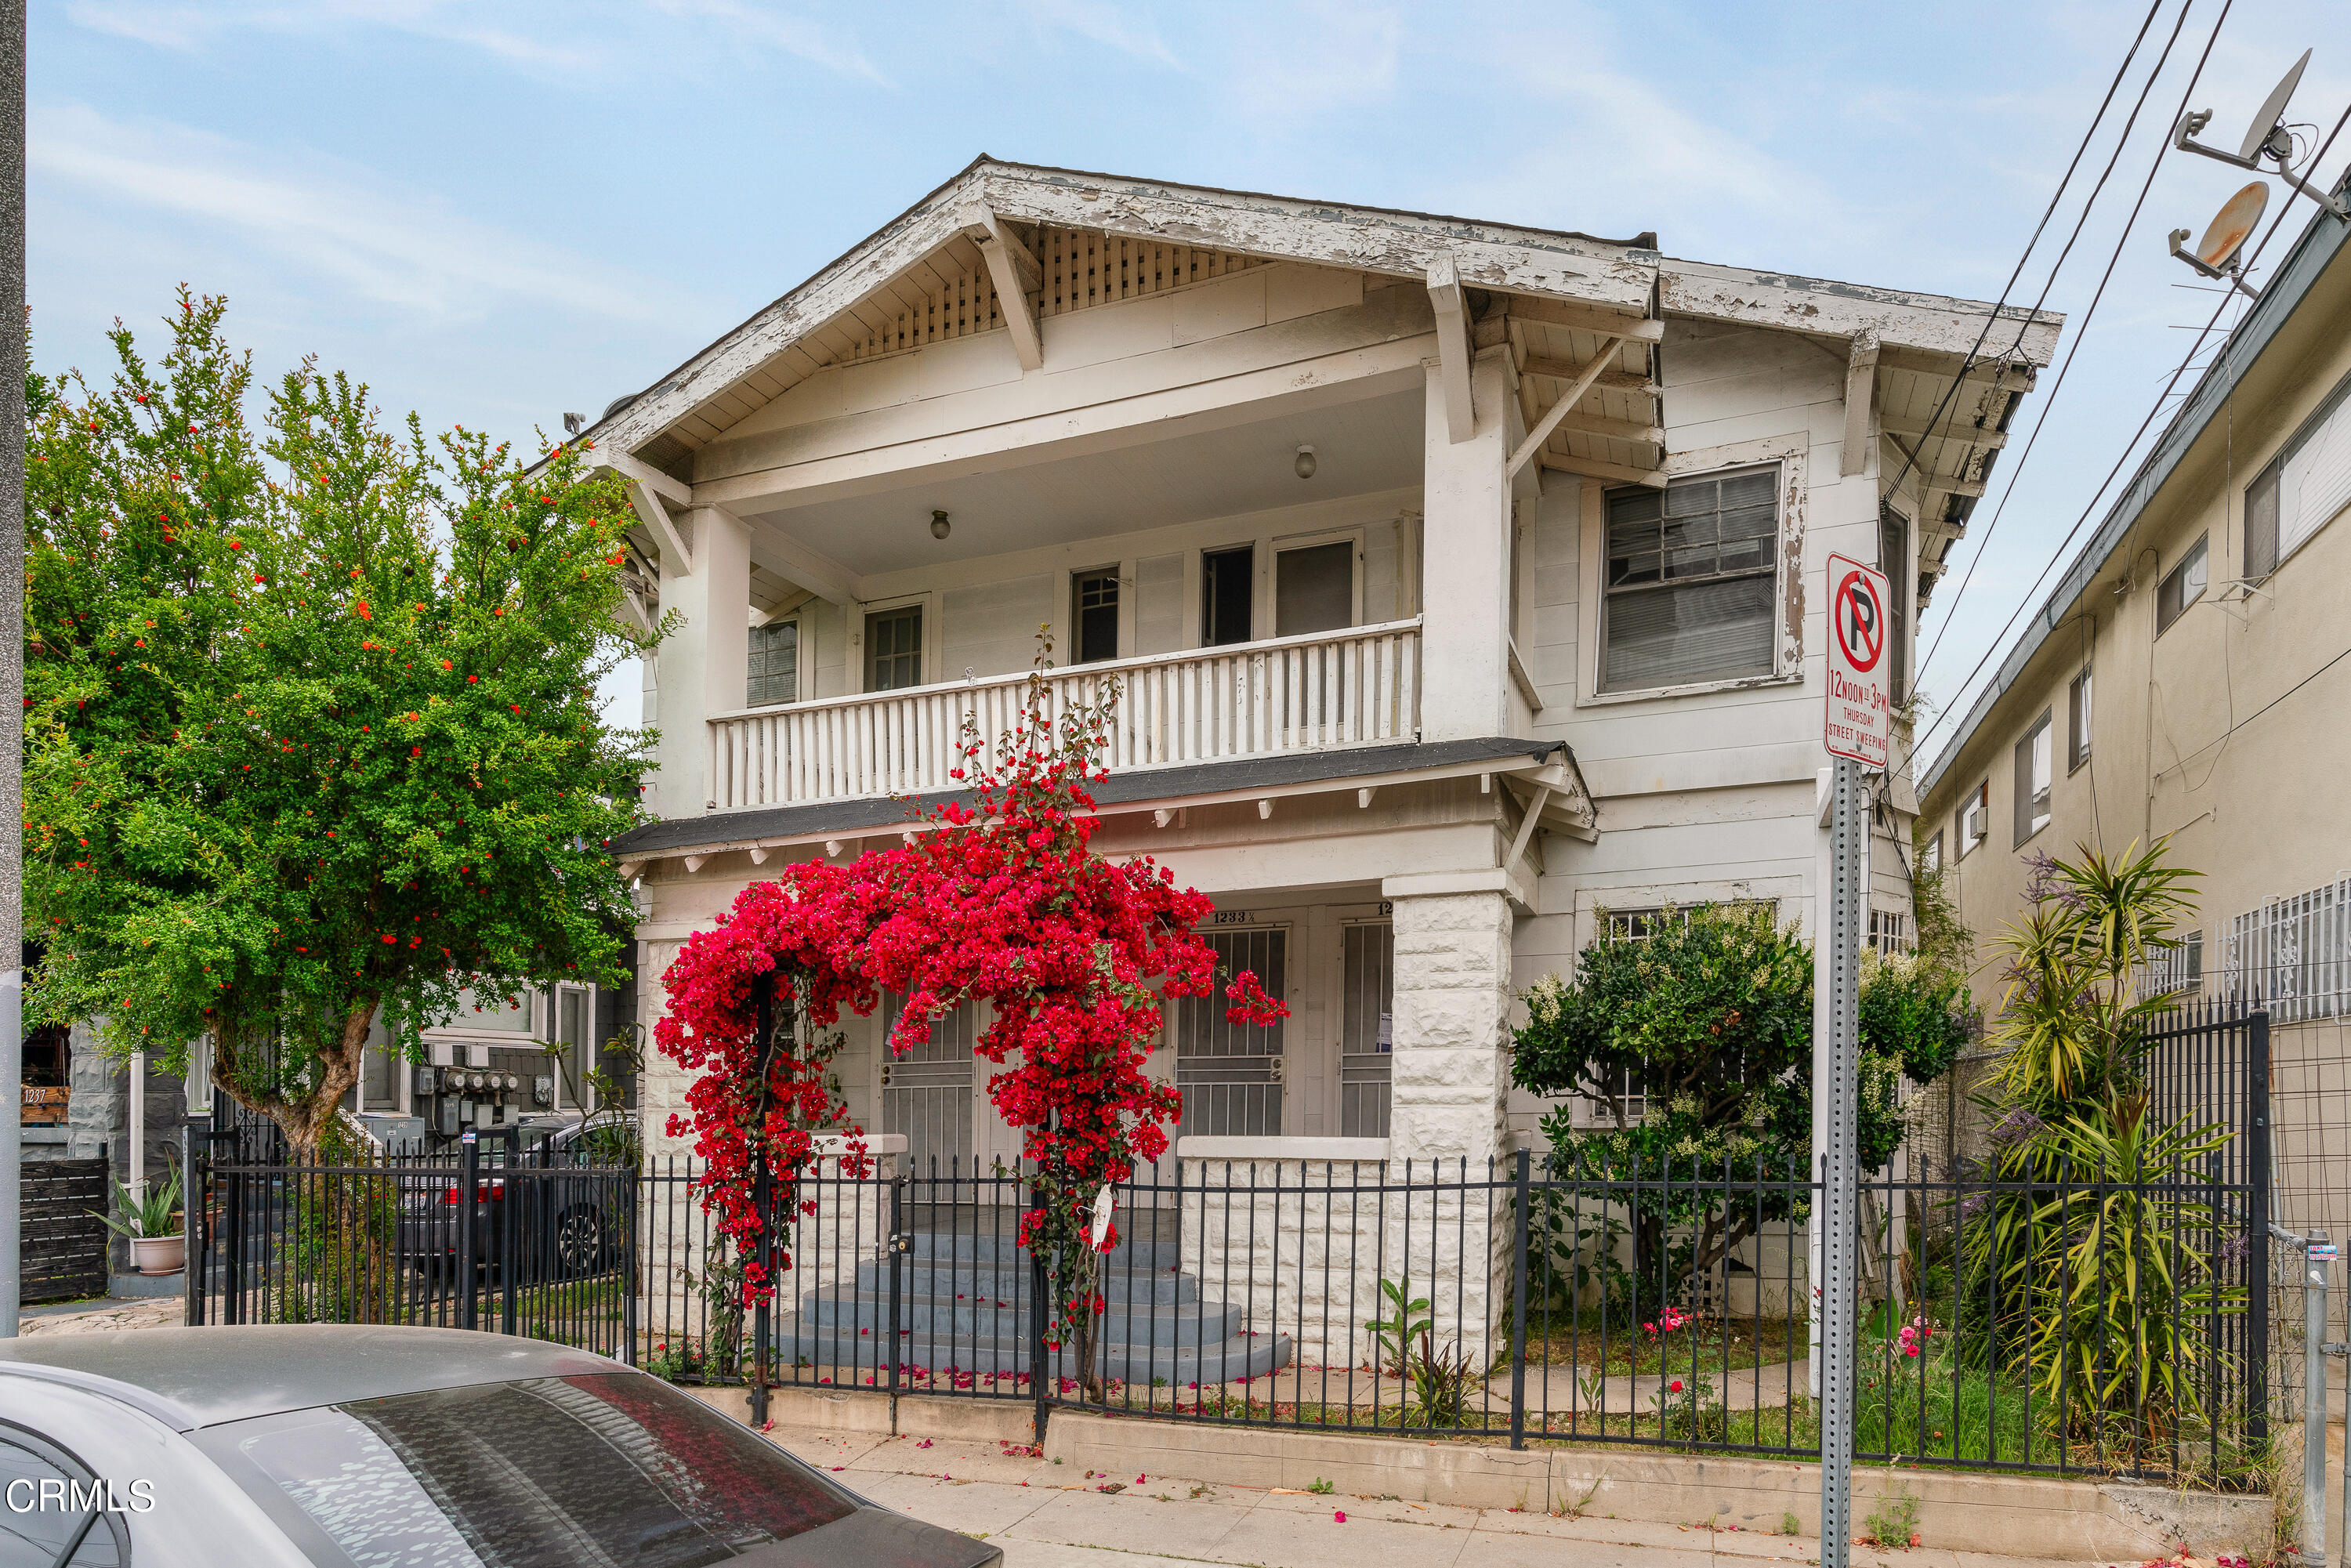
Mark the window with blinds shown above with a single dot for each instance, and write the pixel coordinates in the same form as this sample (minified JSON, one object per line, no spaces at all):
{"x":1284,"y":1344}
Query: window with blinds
{"x":1691,"y":578}
{"x":2303,"y":488}
{"x":775,"y":676}
{"x":2033,"y":771}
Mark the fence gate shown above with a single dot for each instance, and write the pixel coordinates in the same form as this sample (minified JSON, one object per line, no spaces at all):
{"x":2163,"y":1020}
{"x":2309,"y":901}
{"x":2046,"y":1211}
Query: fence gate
{"x":1231,"y":1074}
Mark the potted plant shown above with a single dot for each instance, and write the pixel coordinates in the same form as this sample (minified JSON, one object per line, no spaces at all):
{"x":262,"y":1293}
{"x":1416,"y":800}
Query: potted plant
{"x":150,"y":1223}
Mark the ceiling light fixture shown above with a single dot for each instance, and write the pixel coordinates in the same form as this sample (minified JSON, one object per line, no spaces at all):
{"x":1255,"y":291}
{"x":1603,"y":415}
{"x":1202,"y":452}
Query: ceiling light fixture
{"x":1305,"y":464}
{"x":939,"y":525}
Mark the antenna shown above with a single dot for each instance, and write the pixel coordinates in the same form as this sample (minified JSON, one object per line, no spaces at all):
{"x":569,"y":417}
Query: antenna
{"x":2215,"y":255}
{"x":2266,"y":138}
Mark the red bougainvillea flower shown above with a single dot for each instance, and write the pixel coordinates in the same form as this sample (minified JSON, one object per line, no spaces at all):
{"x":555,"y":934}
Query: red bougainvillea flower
{"x":1003,"y":902}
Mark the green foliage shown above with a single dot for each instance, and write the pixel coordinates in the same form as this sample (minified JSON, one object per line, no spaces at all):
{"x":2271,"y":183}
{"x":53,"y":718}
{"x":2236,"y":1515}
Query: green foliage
{"x":1913,"y":1012}
{"x":1438,"y":1381}
{"x":679,"y":1363}
{"x":337,"y":1259}
{"x":1892,"y":1523}
{"x":1710,"y":1015}
{"x":310,"y":724}
{"x":139,"y":1216}
{"x":2096,"y":1266}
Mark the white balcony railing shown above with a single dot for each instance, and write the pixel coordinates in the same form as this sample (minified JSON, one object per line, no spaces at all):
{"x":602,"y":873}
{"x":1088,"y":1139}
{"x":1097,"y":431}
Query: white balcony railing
{"x":1358,"y":686}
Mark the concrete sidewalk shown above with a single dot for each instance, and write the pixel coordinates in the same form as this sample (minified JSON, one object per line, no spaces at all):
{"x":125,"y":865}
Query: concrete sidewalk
{"x":1045,"y":1517}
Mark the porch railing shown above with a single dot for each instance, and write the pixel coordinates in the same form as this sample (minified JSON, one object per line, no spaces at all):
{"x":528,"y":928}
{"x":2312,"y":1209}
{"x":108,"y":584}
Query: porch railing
{"x":1356,"y":686}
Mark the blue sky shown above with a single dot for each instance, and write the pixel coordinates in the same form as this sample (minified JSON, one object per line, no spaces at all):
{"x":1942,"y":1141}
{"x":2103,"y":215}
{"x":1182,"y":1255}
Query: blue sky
{"x":498,"y":210}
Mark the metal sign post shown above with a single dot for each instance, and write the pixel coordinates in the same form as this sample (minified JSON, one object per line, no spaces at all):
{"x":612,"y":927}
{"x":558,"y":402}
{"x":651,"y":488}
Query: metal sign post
{"x":1857,"y":730}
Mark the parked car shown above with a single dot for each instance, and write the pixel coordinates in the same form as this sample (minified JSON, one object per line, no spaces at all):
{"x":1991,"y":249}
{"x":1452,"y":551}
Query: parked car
{"x":550,"y":1187}
{"x":269,"y":1447}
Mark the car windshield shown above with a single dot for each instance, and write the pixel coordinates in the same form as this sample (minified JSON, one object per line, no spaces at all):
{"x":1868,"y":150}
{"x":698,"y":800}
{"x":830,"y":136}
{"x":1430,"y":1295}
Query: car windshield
{"x":604,"y":1468}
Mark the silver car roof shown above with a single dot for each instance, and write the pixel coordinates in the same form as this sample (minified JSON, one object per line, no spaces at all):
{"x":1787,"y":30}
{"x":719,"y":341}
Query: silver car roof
{"x":192,"y":1378}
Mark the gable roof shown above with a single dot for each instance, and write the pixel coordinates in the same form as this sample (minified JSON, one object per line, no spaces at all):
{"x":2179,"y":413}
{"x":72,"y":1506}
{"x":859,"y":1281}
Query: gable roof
{"x":910,"y":281}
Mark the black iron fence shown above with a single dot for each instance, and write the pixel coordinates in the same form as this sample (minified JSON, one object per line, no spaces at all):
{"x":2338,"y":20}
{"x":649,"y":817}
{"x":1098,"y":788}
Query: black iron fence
{"x":2089,"y":1320}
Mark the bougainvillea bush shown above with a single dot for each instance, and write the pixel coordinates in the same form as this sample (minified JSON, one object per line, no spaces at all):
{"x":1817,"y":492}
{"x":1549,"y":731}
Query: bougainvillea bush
{"x":310,"y":737}
{"x":1000,"y":899}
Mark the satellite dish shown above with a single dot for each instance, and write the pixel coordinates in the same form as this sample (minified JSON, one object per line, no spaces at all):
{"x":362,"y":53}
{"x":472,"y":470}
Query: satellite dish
{"x":2273,"y":110}
{"x":2227,"y":233}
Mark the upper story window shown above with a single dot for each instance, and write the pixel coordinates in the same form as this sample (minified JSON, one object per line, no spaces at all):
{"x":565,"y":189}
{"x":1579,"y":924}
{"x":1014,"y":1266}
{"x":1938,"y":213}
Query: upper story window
{"x":483,"y":1010}
{"x":1227,"y":585}
{"x":2077,"y":721}
{"x":2033,"y":770}
{"x":1975,"y":818}
{"x":893,"y":649}
{"x":1095,"y":614}
{"x":1893,"y":561}
{"x":2303,"y":488}
{"x":1692,"y":578}
{"x":1313,"y":589}
{"x":1930,"y":855}
{"x":774,"y":673}
{"x":2182,"y":586}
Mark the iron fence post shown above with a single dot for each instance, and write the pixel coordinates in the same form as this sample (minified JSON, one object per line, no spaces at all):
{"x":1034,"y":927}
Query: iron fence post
{"x":1518,"y":1284}
{"x":2258,"y":1276}
{"x":2318,"y":1257}
{"x":762,"y":1253}
{"x":469,"y":1207}
{"x":193,"y":1196}
{"x":630,"y":1198}
{"x":233,"y":1207}
{"x":1041,"y":1374}
{"x":507,"y":1210}
{"x":899,"y":1245}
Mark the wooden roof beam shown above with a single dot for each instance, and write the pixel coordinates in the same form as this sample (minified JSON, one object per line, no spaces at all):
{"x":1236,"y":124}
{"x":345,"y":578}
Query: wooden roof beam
{"x":1016,"y":273}
{"x":1590,"y":372}
{"x":1445,"y":293}
{"x":647,"y":500}
{"x":1860,"y":393}
{"x":1948,"y":428}
{"x":1607,"y":380}
{"x":1593,"y":468}
{"x":1575,"y":318}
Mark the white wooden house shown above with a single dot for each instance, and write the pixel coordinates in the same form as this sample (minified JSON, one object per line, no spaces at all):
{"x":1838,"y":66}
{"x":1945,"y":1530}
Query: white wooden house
{"x":1462,"y":579}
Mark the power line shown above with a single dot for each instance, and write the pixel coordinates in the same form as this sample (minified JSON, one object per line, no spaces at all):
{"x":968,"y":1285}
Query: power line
{"x":2038,"y":229}
{"x":2041,"y":420}
{"x":2162,"y":398}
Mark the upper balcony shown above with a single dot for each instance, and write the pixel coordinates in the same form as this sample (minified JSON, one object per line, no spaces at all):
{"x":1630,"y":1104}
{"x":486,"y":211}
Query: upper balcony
{"x":1357,"y":685}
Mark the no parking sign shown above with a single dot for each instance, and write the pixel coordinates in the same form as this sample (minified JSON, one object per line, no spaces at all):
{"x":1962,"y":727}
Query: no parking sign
{"x":1859,"y":712}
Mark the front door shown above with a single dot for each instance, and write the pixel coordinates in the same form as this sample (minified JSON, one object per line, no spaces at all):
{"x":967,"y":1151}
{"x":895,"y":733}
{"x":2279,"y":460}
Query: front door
{"x":1231,"y":1074}
{"x":1366,"y":1029}
{"x":926,"y":1093}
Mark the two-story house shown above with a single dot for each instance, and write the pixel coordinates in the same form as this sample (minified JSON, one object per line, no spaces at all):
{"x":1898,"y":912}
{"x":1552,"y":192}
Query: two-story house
{"x":1462,"y":580}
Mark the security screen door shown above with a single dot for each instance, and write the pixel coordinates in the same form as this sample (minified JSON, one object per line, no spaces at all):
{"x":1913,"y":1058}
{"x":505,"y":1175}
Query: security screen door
{"x":1367,"y":1028}
{"x":1231,"y":1073}
{"x":926,"y":1093}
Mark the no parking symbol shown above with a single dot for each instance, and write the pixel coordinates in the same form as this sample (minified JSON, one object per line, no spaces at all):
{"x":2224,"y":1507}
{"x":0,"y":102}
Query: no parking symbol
{"x":1859,"y":715}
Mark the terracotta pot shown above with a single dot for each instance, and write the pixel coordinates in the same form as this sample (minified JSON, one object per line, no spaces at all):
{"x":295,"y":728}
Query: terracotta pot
{"x":159,"y":1254}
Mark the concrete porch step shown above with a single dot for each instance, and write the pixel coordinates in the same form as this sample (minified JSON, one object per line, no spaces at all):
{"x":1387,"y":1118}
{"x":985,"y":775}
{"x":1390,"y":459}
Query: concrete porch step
{"x":1003,"y":1281}
{"x":1174,"y":1366}
{"x":1190,"y":1324}
{"x":1004,"y":1251}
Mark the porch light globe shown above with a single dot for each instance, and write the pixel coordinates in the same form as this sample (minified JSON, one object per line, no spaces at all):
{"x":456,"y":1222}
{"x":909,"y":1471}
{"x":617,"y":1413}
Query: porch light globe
{"x":938,"y":525}
{"x":1305,"y":465}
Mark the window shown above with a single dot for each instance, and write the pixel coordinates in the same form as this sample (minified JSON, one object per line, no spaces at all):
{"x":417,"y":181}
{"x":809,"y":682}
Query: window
{"x":48,"y":1499}
{"x":1930,"y":855}
{"x":1095,"y":614}
{"x":1893,"y":561}
{"x":2182,"y":586}
{"x":1975,"y":818}
{"x":2303,"y":488}
{"x":2033,"y":774}
{"x":480,"y":1011}
{"x":1692,"y":579}
{"x":574,"y":1028}
{"x":893,"y":649}
{"x":1313,"y":589}
{"x":1227,"y":583}
{"x":1631,"y":925}
{"x":1889,"y":932}
{"x":775,"y":676}
{"x":2077,"y":721}
{"x":2177,"y":966}
{"x":598,"y":1467}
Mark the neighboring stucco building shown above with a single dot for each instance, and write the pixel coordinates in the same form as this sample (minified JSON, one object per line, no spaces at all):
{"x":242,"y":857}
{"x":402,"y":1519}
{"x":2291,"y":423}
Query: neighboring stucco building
{"x":2186,"y":679}
{"x":1462,"y":579}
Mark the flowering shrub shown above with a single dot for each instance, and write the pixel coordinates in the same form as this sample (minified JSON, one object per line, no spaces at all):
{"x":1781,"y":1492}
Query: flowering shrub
{"x":1002,"y":901}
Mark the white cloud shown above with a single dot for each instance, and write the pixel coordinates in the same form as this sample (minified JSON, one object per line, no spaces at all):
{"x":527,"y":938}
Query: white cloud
{"x":189,"y":28}
{"x":1099,"y":23}
{"x":763,"y":26}
{"x":393,"y":247}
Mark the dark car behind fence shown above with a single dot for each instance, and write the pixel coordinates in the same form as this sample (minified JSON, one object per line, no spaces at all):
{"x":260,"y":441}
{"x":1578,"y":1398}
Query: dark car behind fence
{"x":2077,"y":1323}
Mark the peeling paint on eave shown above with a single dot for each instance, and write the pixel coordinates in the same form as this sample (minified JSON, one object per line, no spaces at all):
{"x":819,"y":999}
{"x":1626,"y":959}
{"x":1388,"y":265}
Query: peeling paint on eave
{"x":1937,"y":323}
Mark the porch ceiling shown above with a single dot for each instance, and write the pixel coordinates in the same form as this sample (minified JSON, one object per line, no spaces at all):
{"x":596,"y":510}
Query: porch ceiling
{"x":1360,"y":448}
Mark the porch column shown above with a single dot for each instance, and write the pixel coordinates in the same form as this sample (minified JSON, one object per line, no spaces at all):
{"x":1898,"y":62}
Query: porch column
{"x":703,"y":667}
{"x":1465,"y":560}
{"x":1450,"y":1074}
